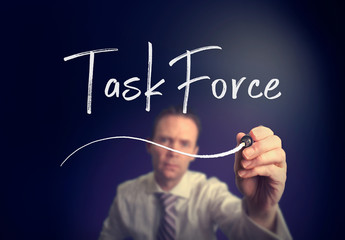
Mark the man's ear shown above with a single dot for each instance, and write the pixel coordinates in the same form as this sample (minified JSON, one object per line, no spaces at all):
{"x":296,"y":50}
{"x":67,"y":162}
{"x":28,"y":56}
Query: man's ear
{"x":148,"y":145}
{"x":195,"y":152}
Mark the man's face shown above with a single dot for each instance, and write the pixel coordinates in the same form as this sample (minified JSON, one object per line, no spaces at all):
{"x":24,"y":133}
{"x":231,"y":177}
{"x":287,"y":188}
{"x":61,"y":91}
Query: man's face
{"x":177,"y":132}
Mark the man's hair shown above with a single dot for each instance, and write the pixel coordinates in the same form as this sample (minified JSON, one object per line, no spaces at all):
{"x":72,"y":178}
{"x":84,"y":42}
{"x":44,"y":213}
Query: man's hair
{"x":176,"y":111}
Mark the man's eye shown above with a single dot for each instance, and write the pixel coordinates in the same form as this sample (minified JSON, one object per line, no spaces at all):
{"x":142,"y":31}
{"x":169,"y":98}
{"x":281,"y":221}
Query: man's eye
{"x":185,"y":143}
{"x":163,"y":140}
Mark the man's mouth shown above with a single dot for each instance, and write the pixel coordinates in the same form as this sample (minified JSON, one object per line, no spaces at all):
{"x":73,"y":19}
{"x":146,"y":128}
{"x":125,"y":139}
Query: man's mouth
{"x":170,"y":165}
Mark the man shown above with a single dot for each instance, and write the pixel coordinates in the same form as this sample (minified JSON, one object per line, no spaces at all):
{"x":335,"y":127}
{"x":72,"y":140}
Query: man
{"x":174,"y":203}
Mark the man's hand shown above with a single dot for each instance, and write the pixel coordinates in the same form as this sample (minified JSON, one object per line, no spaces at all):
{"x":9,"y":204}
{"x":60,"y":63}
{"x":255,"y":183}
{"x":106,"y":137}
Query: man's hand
{"x":261,"y":174}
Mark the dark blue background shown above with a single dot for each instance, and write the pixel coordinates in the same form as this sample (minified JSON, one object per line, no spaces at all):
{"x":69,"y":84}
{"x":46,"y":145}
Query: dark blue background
{"x":43,"y":103}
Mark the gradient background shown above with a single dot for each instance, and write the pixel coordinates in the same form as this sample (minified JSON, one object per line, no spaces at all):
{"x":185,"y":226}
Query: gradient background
{"x":43,"y":103}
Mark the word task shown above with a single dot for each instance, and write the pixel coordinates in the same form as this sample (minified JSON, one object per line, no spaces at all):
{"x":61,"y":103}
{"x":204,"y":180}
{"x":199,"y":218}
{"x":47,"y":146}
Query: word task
{"x":131,"y":92}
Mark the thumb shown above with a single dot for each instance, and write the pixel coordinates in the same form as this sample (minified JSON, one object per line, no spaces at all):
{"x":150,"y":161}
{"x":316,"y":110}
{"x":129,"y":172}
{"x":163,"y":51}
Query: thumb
{"x":239,"y":136}
{"x":238,"y":155}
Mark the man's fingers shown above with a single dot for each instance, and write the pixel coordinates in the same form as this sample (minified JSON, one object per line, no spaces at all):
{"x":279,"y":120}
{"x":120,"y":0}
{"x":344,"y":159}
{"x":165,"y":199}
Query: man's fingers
{"x":260,"y":147}
{"x":260,"y":132}
{"x":276,"y":156}
{"x":271,"y":171}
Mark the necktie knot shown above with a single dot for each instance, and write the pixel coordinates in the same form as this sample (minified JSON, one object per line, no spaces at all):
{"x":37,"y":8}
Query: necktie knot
{"x":167,"y":199}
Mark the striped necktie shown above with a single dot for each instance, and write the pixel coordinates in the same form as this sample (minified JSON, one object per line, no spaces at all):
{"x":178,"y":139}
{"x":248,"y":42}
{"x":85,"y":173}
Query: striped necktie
{"x":167,"y":227}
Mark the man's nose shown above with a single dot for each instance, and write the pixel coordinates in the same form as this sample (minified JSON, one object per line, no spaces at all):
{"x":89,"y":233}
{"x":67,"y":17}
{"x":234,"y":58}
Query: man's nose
{"x":174,"y":146}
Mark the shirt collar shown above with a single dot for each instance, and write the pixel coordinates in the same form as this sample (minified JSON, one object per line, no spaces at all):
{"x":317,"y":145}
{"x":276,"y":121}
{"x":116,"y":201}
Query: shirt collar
{"x":182,"y":189}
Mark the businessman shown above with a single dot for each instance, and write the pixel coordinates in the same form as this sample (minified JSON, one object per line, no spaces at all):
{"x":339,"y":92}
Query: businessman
{"x":172,"y":202}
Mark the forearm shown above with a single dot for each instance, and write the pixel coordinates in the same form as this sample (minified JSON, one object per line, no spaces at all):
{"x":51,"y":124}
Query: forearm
{"x":266,"y":217}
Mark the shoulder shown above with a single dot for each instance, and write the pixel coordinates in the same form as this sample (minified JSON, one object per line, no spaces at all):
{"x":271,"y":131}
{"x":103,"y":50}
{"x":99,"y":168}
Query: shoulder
{"x":134,"y":186}
{"x":200,"y":182}
{"x":212,"y":192}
